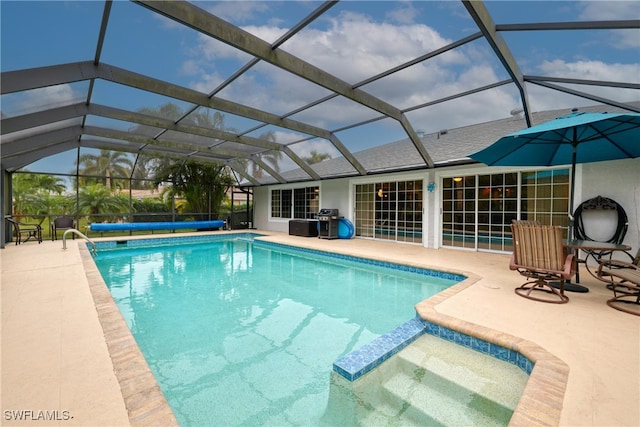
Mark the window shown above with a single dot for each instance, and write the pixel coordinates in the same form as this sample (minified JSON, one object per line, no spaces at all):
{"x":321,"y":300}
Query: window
{"x":302,"y":202}
{"x":545,"y":196}
{"x":477,"y":210}
{"x":305,"y":202}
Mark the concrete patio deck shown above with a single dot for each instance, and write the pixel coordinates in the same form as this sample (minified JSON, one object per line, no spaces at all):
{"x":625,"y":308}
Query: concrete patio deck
{"x":56,"y":361}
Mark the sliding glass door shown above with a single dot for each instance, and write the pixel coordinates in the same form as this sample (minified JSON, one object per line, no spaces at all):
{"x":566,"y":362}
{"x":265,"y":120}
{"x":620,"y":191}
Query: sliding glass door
{"x":390,"y":210}
{"x":477,"y":210}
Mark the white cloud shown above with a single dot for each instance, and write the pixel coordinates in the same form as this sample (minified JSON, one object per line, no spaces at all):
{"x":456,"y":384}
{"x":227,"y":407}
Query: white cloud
{"x":405,"y":13}
{"x":167,"y":23}
{"x":546,"y":99}
{"x":609,"y":10}
{"x":206,"y":82}
{"x":47,"y":97}
{"x":209,"y":50}
{"x":191,"y":67}
{"x":612,"y":11}
{"x":626,"y":39}
{"x":321,"y":146}
{"x":237,"y":11}
{"x":354,"y":48}
{"x":592,"y":70}
{"x":268,"y":33}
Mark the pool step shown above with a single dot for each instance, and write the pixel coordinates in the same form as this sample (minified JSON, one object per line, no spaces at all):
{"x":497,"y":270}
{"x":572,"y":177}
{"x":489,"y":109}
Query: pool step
{"x":436,"y":382}
{"x":496,"y":380}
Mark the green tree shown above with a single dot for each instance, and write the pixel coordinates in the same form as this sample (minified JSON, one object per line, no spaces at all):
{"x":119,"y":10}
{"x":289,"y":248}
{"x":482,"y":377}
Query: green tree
{"x":203,"y":186}
{"x":272,"y":158}
{"x":108,"y":164}
{"x":96,"y":199}
{"x":168,"y":111}
{"x":143,"y":172}
{"x":37,"y":194}
{"x":316,"y":157}
{"x":202,"y":117}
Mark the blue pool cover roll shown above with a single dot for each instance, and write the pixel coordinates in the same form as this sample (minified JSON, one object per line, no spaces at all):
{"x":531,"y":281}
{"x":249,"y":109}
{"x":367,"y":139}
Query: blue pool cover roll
{"x":345,"y":228}
{"x":162,"y":225}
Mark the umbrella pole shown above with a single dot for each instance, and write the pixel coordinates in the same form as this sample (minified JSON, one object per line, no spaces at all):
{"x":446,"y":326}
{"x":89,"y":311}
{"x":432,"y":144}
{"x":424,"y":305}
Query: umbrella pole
{"x":569,"y":286}
{"x":572,"y":186}
{"x":573,"y":287}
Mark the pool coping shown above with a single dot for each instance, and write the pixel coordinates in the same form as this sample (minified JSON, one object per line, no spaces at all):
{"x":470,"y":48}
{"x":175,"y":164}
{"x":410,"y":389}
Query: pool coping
{"x":145,"y":403}
{"x":542,"y":398}
{"x":540,"y":404}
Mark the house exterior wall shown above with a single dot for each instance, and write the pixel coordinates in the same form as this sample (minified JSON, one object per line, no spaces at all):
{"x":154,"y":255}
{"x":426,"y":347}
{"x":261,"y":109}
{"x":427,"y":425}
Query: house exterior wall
{"x":618,"y":180}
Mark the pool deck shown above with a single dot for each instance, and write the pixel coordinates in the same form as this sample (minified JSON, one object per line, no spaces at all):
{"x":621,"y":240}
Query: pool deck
{"x":67,"y":361}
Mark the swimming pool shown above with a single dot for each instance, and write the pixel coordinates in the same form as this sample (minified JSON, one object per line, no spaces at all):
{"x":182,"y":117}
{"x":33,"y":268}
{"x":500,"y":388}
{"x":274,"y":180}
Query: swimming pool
{"x":229,"y":349}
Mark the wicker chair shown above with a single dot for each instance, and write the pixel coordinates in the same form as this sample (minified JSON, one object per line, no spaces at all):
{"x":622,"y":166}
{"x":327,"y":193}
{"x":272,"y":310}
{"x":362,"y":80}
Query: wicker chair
{"x":24,"y":232}
{"x":623,"y":279}
{"x":538,"y":254}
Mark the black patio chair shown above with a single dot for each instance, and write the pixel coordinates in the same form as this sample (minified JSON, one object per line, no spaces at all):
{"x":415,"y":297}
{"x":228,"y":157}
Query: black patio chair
{"x":62,"y":223}
{"x":23,"y":232}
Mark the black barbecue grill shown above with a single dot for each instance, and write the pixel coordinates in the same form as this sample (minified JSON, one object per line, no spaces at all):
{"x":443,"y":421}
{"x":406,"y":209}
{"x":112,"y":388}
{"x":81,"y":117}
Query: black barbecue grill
{"x":328,"y":223}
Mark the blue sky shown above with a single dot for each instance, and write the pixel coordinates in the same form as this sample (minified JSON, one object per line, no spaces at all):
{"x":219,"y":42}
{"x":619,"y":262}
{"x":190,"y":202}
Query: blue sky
{"x":354,"y":40}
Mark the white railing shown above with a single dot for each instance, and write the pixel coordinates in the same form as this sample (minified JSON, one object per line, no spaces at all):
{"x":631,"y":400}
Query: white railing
{"x":79,"y":233}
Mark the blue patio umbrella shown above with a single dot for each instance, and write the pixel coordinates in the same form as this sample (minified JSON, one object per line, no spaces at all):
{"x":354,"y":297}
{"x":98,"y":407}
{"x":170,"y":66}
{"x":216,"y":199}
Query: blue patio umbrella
{"x":579,"y":137}
{"x":568,"y":140}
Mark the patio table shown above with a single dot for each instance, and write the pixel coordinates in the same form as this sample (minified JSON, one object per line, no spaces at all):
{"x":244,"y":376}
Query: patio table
{"x":594,"y":250}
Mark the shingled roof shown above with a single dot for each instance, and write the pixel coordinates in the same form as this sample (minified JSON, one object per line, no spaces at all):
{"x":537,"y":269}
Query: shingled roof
{"x":447,"y":147}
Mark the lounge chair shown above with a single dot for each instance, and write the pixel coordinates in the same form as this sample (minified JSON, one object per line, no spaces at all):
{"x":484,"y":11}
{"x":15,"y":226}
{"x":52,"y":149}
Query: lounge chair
{"x":538,"y":254}
{"x":62,"y":223}
{"x":23,"y":232}
{"x":623,"y":278}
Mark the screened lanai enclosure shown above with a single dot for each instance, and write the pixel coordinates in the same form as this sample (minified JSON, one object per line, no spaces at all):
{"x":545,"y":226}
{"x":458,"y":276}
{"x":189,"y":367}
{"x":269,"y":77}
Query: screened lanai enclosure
{"x":167,"y":110}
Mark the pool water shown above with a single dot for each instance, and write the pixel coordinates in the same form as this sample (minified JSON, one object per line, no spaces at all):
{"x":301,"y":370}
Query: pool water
{"x":242,"y":333}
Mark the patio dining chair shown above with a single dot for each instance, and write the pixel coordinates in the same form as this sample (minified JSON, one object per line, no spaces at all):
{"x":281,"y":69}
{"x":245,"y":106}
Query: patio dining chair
{"x":623,"y":278}
{"x":62,"y":223}
{"x":539,"y":255}
{"x":23,"y":232}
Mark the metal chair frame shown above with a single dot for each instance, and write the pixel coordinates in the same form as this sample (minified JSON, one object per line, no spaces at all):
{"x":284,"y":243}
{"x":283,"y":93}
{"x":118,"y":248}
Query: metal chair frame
{"x":538,"y":254}
{"x":21,"y":229}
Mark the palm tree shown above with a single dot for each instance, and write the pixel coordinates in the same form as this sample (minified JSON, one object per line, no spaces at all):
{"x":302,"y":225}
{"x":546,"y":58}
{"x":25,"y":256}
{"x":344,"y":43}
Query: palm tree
{"x":272,"y":158}
{"x":316,"y":157}
{"x":203,"y":186}
{"x":108,"y":164}
{"x":38,"y":182}
{"x":142,"y":176}
{"x":203,"y":118}
{"x":37,"y":194}
{"x":96,"y":199}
